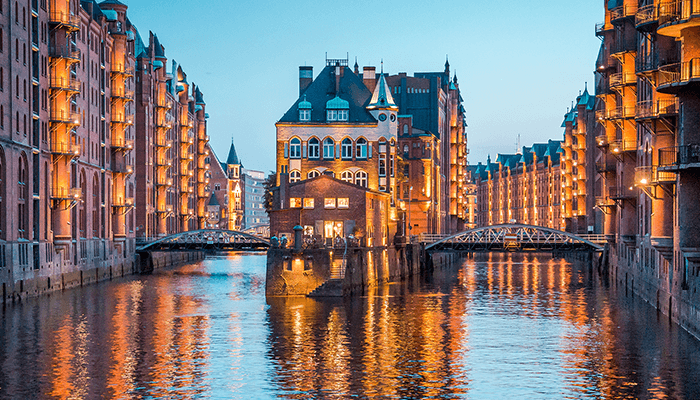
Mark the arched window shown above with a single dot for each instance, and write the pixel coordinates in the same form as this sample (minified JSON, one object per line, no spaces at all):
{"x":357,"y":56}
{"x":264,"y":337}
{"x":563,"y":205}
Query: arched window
{"x":346,"y":149}
{"x":295,"y":148}
{"x":361,"y":151}
{"x":361,"y":178}
{"x":314,"y":148}
{"x":328,"y":149}
{"x":96,"y":206}
{"x":313,"y":173}
{"x":294,"y":176}
{"x":405,"y":151}
{"x":22,"y":212}
{"x":346,"y":176}
{"x":405,"y":129}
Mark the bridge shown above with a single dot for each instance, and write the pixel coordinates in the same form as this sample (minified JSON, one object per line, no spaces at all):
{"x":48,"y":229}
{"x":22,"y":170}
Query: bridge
{"x":208,"y":239}
{"x":517,"y":237}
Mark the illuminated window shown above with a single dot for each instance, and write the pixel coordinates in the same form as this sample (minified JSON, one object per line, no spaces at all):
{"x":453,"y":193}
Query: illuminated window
{"x":361,"y":178}
{"x":329,"y":202}
{"x":328,"y":149}
{"x":313,"y":173}
{"x":294,"y":176}
{"x":295,"y":202}
{"x":343,"y":202}
{"x":308,"y":202}
{"x":295,"y":148}
{"x":405,"y":151}
{"x":361,"y":148}
{"x":382,"y":165}
{"x":346,"y":176}
{"x":346,"y":149}
{"x":314,"y":148}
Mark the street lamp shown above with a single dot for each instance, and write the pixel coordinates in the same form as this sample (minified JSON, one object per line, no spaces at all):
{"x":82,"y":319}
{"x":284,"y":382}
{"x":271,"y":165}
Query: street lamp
{"x":410,"y":227}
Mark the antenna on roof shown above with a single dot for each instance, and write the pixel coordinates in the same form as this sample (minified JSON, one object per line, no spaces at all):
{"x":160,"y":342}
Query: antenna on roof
{"x":517,"y":145}
{"x":382,"y":69}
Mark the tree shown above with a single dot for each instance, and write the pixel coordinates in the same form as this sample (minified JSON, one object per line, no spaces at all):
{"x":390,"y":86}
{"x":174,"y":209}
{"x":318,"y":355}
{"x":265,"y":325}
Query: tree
{"x":269,"y":184}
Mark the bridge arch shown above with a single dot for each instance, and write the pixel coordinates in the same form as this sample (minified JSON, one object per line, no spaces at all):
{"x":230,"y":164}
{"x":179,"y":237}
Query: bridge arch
{"x":208,"y":239}
{"x":514,"y":237}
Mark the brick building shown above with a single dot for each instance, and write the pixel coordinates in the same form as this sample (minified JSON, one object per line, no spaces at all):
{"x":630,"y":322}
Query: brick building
{"x":73,"y":133}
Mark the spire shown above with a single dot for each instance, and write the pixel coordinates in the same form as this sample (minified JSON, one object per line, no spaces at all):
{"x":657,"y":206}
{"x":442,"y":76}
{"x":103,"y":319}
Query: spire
{"x":382,"y":94}
{"x":357,"y":67}
{"x":232,"y":156}
{"x":447,"y":65}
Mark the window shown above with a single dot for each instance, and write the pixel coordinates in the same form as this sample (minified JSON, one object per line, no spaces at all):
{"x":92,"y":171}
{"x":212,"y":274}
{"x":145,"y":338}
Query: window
{"x":305,"y":115}
{"x":314,"y":146}
{"x":295,"y":202}
{"x":217,"y":186}
{"x":405,"y":151}
{"x":382,"y":165}
{"x":308,"y":202}
{"x":361,"y":178}
{"x":343,"y":202}
{"x":346,"y":176}
{"x":346,"y":149}
{"x":361,"y":151}
{"x":331,"y":115}
{"x":22,"y":197}
{"x":405,"y":129}
{"x":343,"y":115}
{"x":329,"y":202}
{"x":313,"y":173}
{"x":294,"y":176}
{"x":295,"y":148}
{"x":328,"y":149}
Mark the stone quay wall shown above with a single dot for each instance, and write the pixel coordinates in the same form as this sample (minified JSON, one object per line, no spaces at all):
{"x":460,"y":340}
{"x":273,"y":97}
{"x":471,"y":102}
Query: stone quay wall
{"x":299,"y":273}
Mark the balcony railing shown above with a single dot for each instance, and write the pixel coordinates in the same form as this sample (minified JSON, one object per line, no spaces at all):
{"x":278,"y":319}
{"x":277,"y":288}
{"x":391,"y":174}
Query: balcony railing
{"x":653,"y":109}
{"x":168,"y":208}
{"x":621,"y":112}
{"x":650,"y":175}
{"x":164,"y":162}
{"x":64,"y":193}
{"x":619,"y":192}
{"x":601,"y":140}
{"x":65,"y":19}
{"x":601,"y":27}
{"x":679,"y":72}
{"x":121,"y":119}
{"x":65,"y":149}
{"x":670,"y":157}
{"x":162,"y":142}
{"x":622,"y":79}
{"x":123,"y":94}
{"x":621,"y":146}
{"x":122,"y":145}
{"x":163,"y":103}
{"x":68,"y":84}
{"x":123,"y":202}
{"x":121,"y":69}
{"x":68,"y":52}
{"x":623,"y":46}
{"x":164,"y":182}
{"x":122,"y":168}
{"x":646,"y":15}
{"x":65,"y":117}
{"x":677,"y":10}
{"x":619,"y":13}
{"x":603,"y":166}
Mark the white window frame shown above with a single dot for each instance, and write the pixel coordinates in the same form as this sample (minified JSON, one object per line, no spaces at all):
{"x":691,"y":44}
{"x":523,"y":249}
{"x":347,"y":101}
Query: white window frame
{"x":314,"y":148}
{"x":346,"y":149}
{"x":295,"y":148}
{"x":328,"y":149}
{"x":294,"y":176}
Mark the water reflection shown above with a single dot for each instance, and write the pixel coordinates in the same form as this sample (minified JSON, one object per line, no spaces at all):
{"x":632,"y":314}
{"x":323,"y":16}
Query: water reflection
{"x":498,"y":325}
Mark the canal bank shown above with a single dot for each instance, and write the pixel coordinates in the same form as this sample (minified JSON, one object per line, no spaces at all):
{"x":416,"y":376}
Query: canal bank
{"x":18,"y":283}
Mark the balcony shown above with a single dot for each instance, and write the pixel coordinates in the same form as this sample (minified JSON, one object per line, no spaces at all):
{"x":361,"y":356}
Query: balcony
{"x":123,"y":202}
{"x":620,"y":193}
{"x":601,"y":28}
{"x":122,"y":168}
{"x":650,"y":175}
{"x":621,"y":79}
{"x":623,"y":46}
{"x":164,"y":182}
{"x":162,"y":142}
{"x":121,"y":69}
{"x":603,"y":167}
{"x":623,"y":146}
{"x":676,"y":15}
{"x":65,"y":149}
{"x":64,"y":117}
{"x":620,"y":14}
{"x":649,"y":109}
{"x":164,"y":125}
{"x":679,"y":157}
{"x":679,"y":76}
{"x":167,"y":209}
{"x":123,"y":94}
{"x":164,"y":162}
{"x":122,"y":145}
{"x":63,"y":193}
{"x":622,"y":112}
{"x":163,"y":103}
{"x":646,"y":18}
{"x":64,"y":19}
{"x":119,"y":118}
{"x":71,"y":53}
{"x":66,"y":84}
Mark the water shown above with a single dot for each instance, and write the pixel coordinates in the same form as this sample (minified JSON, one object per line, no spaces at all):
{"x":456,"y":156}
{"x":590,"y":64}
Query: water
{"x":514,"y":327}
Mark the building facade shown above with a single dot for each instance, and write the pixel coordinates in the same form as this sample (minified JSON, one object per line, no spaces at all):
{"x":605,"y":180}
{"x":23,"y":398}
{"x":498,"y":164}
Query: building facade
{"x":71,"y":143}
{"x":255,"y":218}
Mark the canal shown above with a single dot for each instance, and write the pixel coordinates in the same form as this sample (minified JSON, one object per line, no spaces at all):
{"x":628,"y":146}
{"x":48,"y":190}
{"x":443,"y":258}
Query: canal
{"x":501,"y":325}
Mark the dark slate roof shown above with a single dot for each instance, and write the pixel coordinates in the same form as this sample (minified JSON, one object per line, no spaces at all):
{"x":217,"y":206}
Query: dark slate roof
{"x":232,"y":156}
{"x":213,"y":201}
{"x":158,"y":51}
{"x":199,"y":98}
{"x":322,"y":89}
{"x":117,"y":2}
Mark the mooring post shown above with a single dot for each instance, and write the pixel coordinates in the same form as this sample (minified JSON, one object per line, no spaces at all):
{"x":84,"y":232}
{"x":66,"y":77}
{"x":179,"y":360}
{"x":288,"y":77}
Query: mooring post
{"x":297,"y":238}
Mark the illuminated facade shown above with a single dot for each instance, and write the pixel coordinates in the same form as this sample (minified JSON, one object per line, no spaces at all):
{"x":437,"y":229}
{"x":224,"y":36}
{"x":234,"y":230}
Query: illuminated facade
{"x":523,"y":188}
{"x":647,"y":82}
{"x":69,"y":132}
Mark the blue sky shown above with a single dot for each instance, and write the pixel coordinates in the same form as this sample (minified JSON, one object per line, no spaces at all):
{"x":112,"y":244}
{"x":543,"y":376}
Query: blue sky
{"x":520,"y":64}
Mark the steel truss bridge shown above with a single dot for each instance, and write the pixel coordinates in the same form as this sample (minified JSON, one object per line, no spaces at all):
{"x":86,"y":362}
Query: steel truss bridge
{"x":515,"y":237}
{"x":208,"y":239}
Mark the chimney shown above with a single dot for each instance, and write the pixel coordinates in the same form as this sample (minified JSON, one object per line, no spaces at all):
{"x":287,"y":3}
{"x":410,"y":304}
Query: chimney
{"x":368,"y":77}
{"x":306,"y":75}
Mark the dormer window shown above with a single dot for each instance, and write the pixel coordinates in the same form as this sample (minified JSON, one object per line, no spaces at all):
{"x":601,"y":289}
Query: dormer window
{"x":337,"y":109}
{"x":304,"y":110}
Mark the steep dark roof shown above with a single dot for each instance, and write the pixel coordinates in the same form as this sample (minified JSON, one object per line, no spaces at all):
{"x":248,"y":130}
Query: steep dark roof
{"x":213,"y":201}
{"x":232,"y":156}
{"x":322,"y":89}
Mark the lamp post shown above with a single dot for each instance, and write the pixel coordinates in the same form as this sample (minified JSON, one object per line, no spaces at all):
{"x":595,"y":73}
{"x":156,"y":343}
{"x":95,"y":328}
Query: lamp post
{"x":410,"y":227}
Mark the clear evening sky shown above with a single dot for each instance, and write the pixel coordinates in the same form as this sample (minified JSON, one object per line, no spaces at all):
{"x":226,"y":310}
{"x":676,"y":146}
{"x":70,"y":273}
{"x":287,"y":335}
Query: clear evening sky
{"x":520,"y":64}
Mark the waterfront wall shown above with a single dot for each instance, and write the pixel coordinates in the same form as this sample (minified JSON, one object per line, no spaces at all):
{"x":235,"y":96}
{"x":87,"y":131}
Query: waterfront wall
{"x":18,"y":282}
{"x":655,"y":279}
{"x":291,"y":273}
